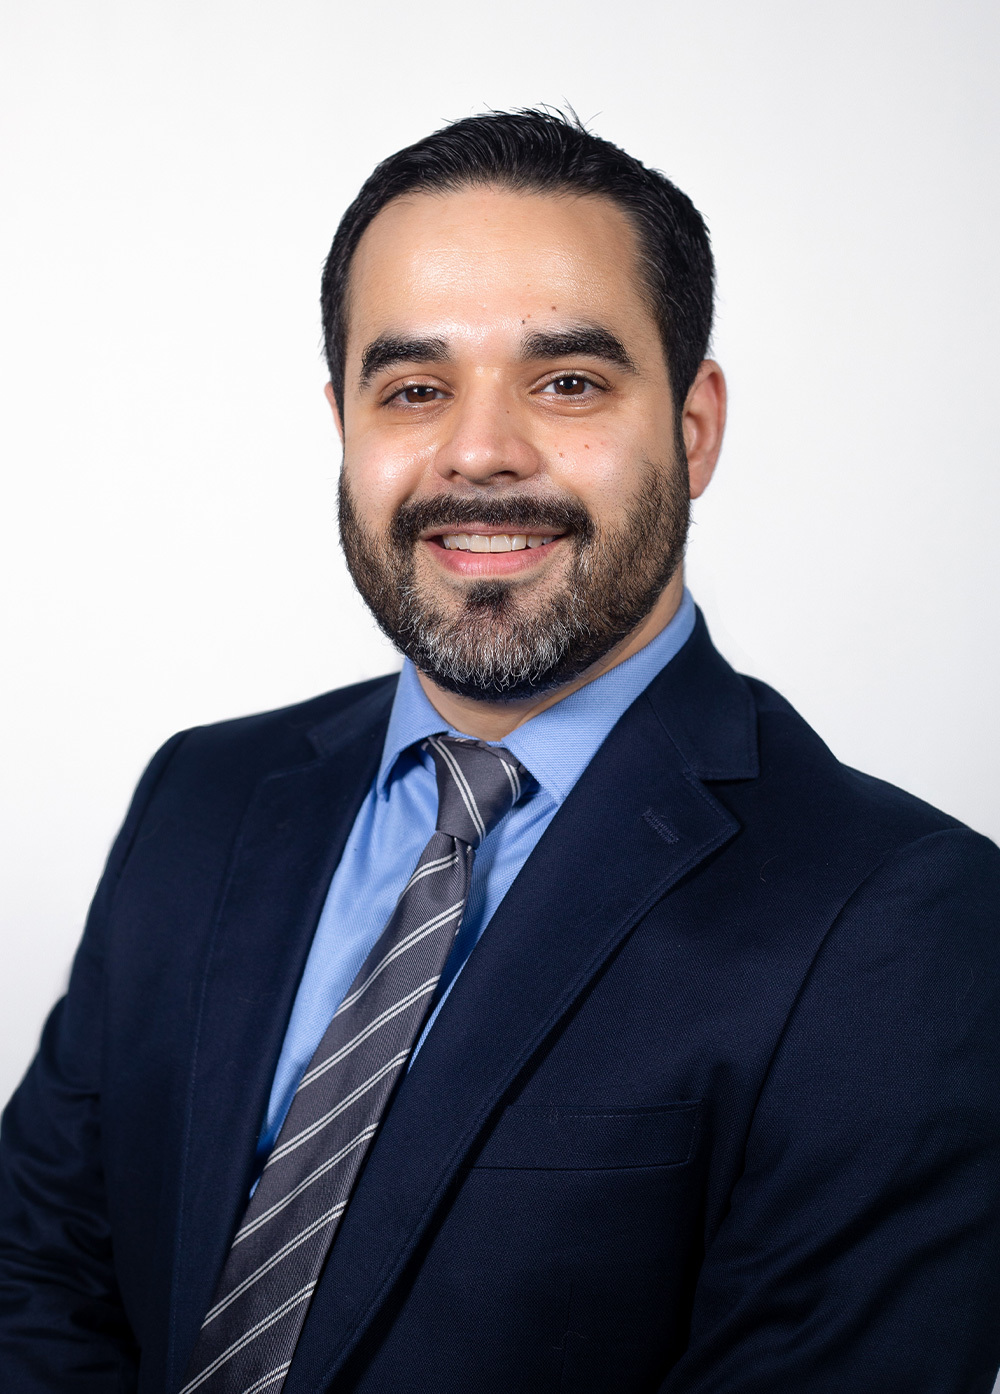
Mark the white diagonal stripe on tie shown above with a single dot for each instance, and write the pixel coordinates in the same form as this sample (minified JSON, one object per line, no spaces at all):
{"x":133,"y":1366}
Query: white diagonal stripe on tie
{"x":429,"y":869}
{"x":333,"y":1213}
{"x":304,"y":1184}
{"x":374,"y":1025}
{"x":465,"y":789}
{"x":512,"y":775}
{"x":270,"y":1320}
{"x":414,"y":937}
{"x":271,"y":1377}
{"x":321,"y":1123}
{"x":462,"y":785}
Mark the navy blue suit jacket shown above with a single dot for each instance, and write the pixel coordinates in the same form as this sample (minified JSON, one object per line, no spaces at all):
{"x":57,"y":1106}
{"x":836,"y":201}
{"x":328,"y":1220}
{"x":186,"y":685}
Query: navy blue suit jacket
{"x":713,"y":1108}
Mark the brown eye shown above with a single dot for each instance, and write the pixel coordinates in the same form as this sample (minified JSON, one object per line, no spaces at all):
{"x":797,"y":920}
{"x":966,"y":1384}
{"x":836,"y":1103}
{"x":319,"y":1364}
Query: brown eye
{"x":570,"y":385}
{"x":417,"y":393}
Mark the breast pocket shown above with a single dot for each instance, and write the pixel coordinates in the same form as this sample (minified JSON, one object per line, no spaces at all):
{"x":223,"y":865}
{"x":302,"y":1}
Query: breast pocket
{"x":539,"y":1137}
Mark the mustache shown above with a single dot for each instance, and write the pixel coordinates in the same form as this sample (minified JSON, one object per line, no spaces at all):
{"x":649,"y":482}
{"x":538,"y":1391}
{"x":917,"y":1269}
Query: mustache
{"x":511,"y":513}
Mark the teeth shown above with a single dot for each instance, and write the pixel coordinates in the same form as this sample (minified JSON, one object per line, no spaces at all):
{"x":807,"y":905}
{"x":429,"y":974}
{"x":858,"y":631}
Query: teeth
{"x":491,"y":542}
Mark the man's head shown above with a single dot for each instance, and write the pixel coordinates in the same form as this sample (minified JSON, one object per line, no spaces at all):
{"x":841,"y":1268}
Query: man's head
{"x":516,"y":315}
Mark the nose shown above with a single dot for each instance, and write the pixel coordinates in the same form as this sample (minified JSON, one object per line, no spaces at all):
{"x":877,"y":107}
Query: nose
{"x":485,"y":441}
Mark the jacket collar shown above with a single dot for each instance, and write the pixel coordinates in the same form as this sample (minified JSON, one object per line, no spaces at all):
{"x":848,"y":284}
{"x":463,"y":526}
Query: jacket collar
{"x":708,"y":711}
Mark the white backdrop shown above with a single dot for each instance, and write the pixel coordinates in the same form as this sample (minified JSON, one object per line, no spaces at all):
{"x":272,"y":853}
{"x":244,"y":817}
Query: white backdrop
{"x":172,"y":173}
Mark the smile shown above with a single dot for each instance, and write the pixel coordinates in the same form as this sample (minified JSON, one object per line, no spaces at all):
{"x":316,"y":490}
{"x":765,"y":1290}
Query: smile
{"x":492,"y":542}
{"x":481,"y":555}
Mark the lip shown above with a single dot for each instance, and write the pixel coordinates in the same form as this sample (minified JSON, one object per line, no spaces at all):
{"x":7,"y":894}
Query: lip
{"x":490,"y":564}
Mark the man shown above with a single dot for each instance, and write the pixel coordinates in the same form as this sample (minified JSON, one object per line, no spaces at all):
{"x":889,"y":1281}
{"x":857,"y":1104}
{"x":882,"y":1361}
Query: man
{"x":562,"y":1016}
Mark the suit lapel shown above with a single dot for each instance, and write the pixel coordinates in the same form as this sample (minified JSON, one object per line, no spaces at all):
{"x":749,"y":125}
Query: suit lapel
{"x":292,"y":837}
{"x":638,"y":820}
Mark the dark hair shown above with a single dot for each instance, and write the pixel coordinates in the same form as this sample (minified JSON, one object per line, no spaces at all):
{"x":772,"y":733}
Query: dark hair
{"x":536,"y":151}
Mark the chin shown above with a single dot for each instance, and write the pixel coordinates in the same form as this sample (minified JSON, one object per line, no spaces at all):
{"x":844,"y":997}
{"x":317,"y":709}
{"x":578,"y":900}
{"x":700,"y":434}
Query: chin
{"x":496,"y":693}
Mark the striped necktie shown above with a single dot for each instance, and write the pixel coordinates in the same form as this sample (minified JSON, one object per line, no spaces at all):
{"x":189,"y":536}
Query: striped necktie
{"x":249,"y":1333}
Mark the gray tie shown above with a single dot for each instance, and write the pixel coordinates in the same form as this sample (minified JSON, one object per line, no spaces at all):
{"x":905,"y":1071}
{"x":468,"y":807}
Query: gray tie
{"x":249,"y":1333}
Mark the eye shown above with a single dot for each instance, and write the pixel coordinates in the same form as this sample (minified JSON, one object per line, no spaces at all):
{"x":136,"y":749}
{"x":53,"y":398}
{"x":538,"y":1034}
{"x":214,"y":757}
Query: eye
{"x":415,"y":394}
{"x":570,"y":385}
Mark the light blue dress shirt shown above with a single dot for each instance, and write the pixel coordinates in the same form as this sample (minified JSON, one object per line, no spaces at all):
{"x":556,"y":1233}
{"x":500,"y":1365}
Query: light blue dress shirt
{"x":397,"y":818}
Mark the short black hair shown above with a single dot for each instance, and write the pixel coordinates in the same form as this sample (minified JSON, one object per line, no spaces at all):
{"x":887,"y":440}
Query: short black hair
{"x":539,"y":150}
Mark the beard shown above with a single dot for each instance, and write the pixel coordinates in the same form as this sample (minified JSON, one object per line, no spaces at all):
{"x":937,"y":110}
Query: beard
{"x":500,"y":640}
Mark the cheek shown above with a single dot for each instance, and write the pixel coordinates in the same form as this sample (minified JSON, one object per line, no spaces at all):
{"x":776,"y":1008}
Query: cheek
{"x":604,"y":470}
{"x":380,"y":477}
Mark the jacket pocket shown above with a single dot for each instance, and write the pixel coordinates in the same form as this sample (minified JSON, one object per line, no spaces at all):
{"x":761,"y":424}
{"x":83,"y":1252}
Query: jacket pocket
{"x":540,"y":1137}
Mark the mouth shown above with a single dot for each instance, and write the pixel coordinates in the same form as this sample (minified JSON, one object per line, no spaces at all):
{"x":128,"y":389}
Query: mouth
{"x":486,"y":551}
{"x":494,"y":541}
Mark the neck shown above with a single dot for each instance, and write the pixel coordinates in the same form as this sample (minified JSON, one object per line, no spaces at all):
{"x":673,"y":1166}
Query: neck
{"x":492,"y":721}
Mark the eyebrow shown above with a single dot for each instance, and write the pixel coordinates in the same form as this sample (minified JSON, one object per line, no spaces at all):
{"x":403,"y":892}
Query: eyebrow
{"x":389,"y":349}
{"x":591,"y":340}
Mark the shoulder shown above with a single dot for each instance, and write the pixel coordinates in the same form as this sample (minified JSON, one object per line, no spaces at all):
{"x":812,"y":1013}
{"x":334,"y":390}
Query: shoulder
{"x":797,"y":766}
{"x":845,"y":833}
{"x":300,"y":729}
{"x":793,"y":800}
{"x":901,"y":900}
{"x":878,"y":911}
{"x":228,"y":758}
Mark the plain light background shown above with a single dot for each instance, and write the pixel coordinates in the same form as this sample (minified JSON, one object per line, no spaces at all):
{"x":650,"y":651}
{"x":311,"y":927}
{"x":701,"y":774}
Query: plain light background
{"x":172,"y":174}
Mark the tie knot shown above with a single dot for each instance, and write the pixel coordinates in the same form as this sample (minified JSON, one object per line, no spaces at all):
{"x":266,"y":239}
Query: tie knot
{"x":477,"y":785}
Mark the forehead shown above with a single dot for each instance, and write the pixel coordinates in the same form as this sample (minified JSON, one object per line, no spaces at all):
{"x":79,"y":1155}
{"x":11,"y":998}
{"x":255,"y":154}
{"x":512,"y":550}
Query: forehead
{"x":494,"y":257}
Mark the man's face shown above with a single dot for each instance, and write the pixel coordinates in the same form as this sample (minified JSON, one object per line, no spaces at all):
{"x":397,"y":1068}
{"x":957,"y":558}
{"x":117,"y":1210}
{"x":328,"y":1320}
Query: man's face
{"x":514,"y":499}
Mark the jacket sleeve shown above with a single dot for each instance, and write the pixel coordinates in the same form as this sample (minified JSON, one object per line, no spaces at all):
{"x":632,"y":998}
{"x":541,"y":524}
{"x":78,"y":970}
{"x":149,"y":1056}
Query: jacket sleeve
{"x":62,"y":1326}
{"x":861,"y":1249}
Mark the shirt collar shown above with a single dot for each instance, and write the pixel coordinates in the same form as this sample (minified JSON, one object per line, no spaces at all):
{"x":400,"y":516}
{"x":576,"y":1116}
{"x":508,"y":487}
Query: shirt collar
{"x":558,"y":744}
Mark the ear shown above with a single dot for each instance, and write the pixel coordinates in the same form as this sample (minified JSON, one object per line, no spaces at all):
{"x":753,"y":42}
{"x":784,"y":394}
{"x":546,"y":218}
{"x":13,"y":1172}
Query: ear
{"x":329,"y":394}
{"x":703,"y":421}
